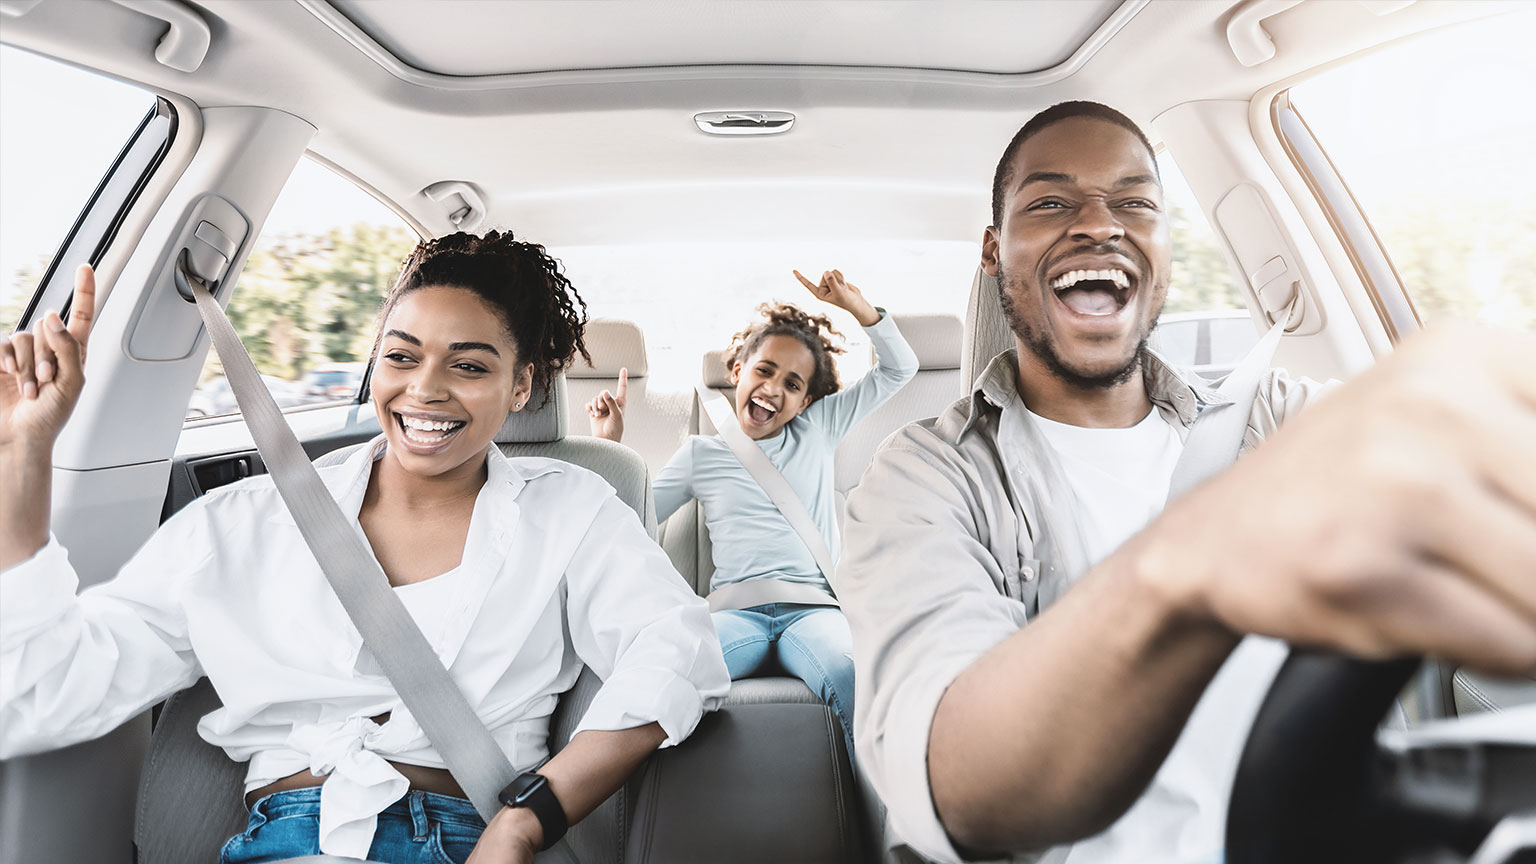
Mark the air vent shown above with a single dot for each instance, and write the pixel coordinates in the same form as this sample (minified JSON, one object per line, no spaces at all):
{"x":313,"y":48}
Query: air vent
{"x":744,"y":122}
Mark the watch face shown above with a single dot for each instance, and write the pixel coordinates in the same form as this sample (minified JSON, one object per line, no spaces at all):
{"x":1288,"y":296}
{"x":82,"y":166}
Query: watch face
{"x":537,"y":782}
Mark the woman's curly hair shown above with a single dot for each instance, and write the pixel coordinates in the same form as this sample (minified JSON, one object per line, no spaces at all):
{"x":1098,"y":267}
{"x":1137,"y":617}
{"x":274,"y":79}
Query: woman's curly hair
{"x":786,"y":319}
{"x":539,"y":307}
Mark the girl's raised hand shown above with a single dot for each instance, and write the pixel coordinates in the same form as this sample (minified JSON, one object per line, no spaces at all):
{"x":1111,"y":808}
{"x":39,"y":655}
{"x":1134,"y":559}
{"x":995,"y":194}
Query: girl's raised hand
{"x":834,"y":289}
{"x":43,"y":372}
{"x":606,"y":410}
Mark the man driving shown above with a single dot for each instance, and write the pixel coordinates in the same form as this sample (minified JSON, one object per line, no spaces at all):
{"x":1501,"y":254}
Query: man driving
{"x":1052,"y":665}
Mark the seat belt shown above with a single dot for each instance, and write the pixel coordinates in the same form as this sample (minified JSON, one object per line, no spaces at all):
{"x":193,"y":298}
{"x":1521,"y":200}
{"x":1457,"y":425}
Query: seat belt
{"x":757,"y":592}
{"x":389,"y":633}
{"x":1217,"y":434}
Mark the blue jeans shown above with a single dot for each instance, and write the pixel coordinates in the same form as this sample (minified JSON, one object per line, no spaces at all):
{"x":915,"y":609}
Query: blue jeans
{"x":811,"y":643}
{"x":421,"y":828}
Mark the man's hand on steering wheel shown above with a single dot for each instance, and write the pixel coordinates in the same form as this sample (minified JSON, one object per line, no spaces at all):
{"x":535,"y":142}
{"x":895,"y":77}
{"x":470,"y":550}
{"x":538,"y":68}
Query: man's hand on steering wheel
{"x":1396,"y":517}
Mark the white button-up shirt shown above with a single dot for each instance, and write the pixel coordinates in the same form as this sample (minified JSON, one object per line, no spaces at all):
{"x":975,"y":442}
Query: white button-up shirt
{"x":557,"y":572}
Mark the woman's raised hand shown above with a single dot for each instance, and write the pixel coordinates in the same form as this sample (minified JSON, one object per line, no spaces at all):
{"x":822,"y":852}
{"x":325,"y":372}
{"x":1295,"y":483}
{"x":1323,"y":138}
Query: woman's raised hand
{"x":834,"y":289}
{"x":606,"y":410}
{"x":42,"y":372}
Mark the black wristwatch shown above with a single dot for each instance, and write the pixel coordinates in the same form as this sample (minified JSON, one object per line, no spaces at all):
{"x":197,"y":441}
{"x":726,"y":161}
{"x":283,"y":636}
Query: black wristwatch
{"x":532,"y":791}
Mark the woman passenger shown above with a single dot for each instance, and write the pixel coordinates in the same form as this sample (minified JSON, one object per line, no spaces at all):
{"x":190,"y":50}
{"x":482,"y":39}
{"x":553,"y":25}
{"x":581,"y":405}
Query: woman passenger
{"x":788,"y":400}
{"x":518,"y":571}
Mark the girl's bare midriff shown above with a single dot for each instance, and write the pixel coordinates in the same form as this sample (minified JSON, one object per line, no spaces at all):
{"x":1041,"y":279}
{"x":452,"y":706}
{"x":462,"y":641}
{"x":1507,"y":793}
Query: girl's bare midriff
{"x":421,"y":778}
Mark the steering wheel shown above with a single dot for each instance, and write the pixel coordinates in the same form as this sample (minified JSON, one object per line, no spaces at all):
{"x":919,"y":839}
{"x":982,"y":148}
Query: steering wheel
{"x":1313,"y":785}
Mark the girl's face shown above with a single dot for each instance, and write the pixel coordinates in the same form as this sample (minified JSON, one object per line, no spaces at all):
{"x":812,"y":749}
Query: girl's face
{"x":771,"y":385}
{"x":446,"y":376}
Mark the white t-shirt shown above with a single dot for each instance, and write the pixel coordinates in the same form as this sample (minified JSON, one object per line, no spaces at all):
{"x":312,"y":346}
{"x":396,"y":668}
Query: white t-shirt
{"x":1120,"y":476}
{"x":1121,"y":479}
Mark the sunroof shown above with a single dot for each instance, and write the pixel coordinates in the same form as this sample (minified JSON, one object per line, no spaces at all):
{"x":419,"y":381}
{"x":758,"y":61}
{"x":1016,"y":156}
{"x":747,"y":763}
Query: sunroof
{"x":476,"y":38}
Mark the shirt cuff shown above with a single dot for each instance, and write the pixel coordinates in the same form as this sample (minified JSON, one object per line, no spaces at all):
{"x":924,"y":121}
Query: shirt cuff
{"x":637,"y":697}
{"x":906,"y":789}
{"x":37,"y":592}
{"x":883,"y":327}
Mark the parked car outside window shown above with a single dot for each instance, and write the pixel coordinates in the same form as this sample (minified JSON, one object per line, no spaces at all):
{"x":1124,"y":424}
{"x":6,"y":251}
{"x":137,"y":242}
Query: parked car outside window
{"x":1210,"y":344}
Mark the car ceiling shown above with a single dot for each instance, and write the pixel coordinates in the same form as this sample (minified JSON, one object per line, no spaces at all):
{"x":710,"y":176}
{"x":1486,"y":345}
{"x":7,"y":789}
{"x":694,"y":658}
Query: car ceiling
{"x":576,"y":119}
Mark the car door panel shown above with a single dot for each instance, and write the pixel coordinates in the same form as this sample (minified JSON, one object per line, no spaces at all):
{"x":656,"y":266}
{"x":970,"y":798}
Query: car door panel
{"x":210,"y":454}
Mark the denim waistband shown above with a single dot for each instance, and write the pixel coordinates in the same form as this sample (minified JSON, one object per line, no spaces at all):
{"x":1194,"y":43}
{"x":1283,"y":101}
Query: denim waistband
{"x":414,"y":805}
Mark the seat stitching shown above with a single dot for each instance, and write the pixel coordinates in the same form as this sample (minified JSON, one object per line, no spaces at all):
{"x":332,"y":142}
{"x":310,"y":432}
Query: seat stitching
{"x":619,"y":818}
{"x":1477,"y":694}
{"x":834,"y":734}
{"x":648,"y":822}
{"x":156,"y":750}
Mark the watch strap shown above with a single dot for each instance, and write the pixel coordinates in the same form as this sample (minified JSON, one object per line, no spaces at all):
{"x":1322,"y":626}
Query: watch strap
{"x":531,"y":791}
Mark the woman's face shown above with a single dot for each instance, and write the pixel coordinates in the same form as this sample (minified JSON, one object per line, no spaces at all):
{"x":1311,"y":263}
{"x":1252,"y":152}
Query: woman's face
{"x":446,"y":376}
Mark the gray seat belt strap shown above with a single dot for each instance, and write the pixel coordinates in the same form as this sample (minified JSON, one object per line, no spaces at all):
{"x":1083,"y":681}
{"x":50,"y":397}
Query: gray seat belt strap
{"x":1217,"y":435}
{"x":774,"y":486}
{"x":760,"y":592}
{"x":389,"y":633}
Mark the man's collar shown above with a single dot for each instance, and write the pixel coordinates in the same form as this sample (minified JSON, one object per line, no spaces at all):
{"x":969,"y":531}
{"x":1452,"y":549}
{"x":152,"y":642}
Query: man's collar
{"x":1183,"y":393}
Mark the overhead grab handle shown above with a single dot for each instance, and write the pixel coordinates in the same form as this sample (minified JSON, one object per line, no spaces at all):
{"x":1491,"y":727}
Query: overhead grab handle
{"x":744,"y":122}
{"x":1250,"y":43}
{"x":185,"y":45}
{"x":465,"y":206}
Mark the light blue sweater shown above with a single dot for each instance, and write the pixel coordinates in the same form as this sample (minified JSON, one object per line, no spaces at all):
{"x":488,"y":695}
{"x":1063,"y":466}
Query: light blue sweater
{"x":751,"y":538}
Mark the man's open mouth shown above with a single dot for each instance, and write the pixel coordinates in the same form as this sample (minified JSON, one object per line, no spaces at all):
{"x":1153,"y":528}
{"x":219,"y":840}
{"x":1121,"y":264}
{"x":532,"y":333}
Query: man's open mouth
{"x":1094,"y":292}
{"x":760,"y":411}
{"x":428,"y":432}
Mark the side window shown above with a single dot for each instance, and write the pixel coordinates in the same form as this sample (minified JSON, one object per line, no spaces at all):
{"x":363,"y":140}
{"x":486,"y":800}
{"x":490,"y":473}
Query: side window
{"x":63,"y":131}
{"x":1430,"y":142}
{"x":1205,"y":323}
{"x":307,"y":298}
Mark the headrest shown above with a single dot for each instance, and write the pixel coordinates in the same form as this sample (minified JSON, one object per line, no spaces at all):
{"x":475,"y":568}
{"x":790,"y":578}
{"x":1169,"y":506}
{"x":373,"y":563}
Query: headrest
{"x":539,"y":422}
{"x":614,"y":344}
{"x":935,"y":338}
{"x":986,"y":330}
{"x":715,"y":373}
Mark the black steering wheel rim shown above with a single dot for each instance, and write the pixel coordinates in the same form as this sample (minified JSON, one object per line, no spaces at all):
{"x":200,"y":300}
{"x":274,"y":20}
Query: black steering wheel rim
{"x":1306,"y":785}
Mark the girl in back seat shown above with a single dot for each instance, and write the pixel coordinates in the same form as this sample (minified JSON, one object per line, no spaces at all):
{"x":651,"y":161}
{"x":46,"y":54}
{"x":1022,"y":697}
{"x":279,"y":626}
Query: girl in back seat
{"x":518,"y":571}
{"x":774,"y":605}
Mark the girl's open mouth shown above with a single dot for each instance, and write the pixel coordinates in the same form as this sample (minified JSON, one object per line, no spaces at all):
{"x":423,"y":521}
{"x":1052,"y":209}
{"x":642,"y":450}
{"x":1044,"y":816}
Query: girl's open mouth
{"x":760,"y":412}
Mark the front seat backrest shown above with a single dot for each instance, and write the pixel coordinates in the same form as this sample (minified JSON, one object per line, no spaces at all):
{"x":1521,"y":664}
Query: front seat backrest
{"x":986,"y":329}
{"x":190,"y":794}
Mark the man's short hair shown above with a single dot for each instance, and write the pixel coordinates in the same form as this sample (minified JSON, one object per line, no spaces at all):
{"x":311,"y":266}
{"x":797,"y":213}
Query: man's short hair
{"x":1050,"y":116}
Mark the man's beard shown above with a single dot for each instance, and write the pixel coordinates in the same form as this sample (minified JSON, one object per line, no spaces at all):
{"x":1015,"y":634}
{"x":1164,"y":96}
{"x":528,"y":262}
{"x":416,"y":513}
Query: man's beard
{"x":1044,"y":347}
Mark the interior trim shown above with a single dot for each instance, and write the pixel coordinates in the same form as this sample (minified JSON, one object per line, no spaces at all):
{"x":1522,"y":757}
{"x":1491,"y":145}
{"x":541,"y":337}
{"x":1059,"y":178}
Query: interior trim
{"x":1361,"y":243}
{"x":391,"y":63}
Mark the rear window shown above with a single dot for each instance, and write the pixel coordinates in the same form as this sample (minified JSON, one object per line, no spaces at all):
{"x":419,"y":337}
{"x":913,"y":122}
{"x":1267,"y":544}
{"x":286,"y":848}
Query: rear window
{"x":682,"y":323}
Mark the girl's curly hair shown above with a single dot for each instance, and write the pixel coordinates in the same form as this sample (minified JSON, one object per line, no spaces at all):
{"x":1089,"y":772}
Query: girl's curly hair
{"x":539,"y":307}
{"x":786,"y":319}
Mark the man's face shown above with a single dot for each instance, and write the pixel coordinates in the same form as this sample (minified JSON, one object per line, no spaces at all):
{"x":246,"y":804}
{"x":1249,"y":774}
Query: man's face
{"x":1082,"y":253}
